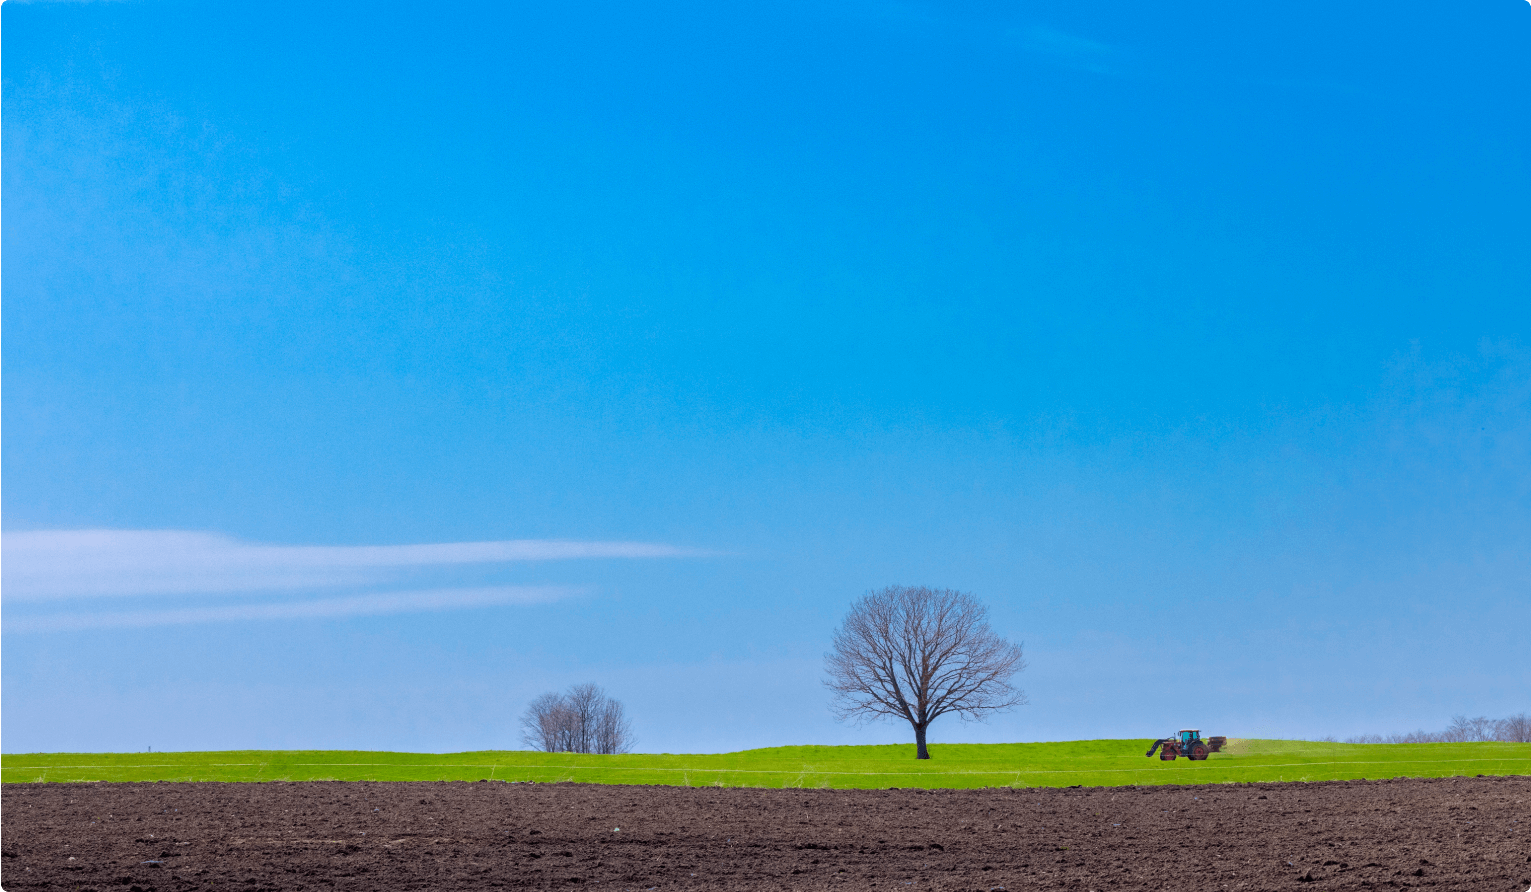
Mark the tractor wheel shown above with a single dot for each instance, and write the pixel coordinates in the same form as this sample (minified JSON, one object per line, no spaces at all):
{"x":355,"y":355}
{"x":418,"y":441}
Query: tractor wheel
{"x":1199,"y":752}
{"x":1168,"y":753}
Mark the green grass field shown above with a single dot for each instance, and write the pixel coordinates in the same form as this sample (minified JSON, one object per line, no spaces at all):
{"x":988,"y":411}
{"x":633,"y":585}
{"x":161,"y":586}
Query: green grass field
{"x":1086,"y":762}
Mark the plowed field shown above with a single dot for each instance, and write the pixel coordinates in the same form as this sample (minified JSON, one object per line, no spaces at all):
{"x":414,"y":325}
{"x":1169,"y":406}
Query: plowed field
{"x":1451,"y":833}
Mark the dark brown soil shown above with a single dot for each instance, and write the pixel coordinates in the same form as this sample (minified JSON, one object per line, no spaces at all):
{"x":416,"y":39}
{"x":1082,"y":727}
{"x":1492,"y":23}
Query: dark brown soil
{"x":1454,"y":833}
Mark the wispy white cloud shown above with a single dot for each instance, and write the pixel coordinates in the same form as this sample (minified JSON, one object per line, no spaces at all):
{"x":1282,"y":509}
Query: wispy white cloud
{"x":1068,"y":49}
{"x":325,"y":608}
{"x":1043,"y":43}
{"x":895,"y":12}
{"x":49,"y":564}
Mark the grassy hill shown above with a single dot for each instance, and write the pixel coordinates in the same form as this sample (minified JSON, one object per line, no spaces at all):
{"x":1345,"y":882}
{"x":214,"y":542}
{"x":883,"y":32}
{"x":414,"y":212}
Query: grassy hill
{"x":1085,"y":762}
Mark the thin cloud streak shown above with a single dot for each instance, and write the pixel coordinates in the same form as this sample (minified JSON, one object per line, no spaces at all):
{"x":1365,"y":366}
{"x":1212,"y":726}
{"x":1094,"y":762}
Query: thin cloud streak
{"x":1068,"y":50}
{"x":328,"y":608}
{"x":48,"y":564}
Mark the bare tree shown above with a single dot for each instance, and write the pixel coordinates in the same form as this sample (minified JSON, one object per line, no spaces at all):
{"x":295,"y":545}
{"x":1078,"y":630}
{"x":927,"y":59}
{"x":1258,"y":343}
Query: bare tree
{"x":545,"y":722}
{"x":613,"y":733}
{"x":585,"y":701}
{"x":916,"y":654}
{"x":584,"y":720}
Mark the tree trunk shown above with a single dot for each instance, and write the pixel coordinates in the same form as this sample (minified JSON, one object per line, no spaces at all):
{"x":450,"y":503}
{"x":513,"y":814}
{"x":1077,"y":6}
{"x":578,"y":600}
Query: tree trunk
{"x":919,"y":743}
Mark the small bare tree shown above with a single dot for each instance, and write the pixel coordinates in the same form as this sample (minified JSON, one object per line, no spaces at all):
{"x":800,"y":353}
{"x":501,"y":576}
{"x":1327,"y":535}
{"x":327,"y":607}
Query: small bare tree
{"x":584,"y":702}
{"x":584,"y":720}
{"x":917,"y":653}
{"x":546,"y":724}
{"x":613,"y":733}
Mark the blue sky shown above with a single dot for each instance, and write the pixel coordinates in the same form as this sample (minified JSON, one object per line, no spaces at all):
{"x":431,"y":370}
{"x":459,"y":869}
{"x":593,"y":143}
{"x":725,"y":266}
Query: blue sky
{"x":369,"y":369}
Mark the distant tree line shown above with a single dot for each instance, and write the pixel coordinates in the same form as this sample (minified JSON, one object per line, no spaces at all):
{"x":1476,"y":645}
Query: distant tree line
{"x":584,"y":720}
{"x":1515,"y":729}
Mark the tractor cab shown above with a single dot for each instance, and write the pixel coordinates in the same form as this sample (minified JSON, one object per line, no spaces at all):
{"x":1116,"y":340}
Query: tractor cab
{"x":1188,"y":737}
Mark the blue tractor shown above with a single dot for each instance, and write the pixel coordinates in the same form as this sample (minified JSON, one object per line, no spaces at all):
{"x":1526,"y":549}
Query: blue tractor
{"x":1186,"y":743}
